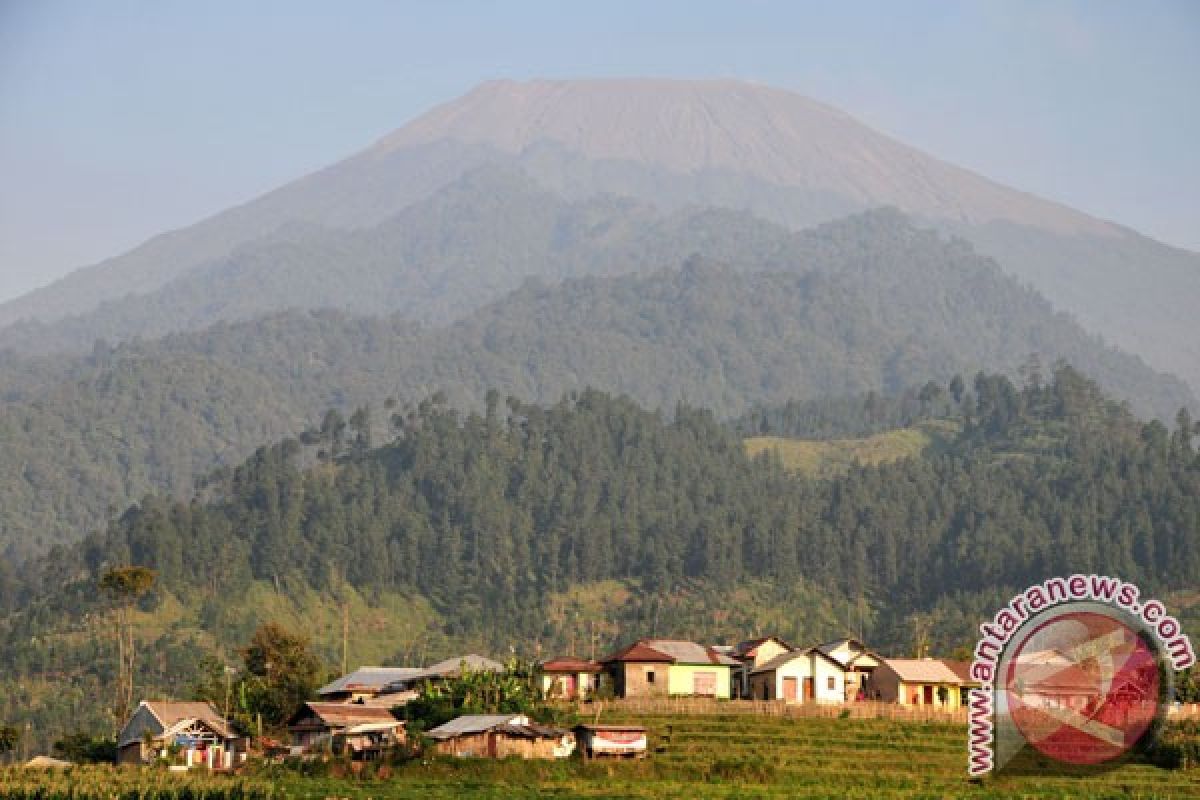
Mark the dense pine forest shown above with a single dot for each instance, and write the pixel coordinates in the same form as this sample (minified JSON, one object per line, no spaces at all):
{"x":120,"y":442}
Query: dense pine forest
{"x":521,"y":525}
{"x":870,"y":303}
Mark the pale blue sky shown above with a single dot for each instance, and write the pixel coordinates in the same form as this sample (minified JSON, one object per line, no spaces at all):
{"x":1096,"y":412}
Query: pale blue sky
{"x":119,"y":120}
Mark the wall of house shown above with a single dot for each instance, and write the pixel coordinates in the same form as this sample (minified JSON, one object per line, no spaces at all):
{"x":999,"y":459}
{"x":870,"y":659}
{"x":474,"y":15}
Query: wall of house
{"x":635,"y":680}
{"x":904,"y":693}
{"x":135,"y":730}
{"x":473,"y":746}
{"x":682,"y":678}
{"x":132,"y":753}
{"x":768,"y":650}
{"x":770,"y":685}
{"x":585,"y":684}
{"x":886,"y":683}
{"x":532,"y":748}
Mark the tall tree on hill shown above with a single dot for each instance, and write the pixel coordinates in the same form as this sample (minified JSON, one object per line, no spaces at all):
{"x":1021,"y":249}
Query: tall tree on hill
{"x":124,"y":586}
{"x":280,"y":673}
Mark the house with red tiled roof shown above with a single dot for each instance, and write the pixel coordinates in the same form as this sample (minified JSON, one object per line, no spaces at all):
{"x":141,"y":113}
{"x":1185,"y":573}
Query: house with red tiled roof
{"x":670,"y":667}
{"x":570,"y":678}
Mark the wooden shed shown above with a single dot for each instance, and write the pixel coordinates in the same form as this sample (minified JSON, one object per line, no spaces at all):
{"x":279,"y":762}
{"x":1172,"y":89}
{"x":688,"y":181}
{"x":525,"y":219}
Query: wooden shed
{"x":501,"y":736}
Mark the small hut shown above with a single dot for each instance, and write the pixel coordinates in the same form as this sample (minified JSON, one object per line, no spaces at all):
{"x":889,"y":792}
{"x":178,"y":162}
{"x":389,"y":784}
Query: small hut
{"x":358,"y":729}
{"x":501,"y":736}
{"x":611,"y":741}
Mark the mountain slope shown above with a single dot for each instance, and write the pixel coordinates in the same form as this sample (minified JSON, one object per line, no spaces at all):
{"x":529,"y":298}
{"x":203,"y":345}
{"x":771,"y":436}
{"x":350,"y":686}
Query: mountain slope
{"x":495,"y":529}
{"x":676,"y":143}
{"x":463,"y":246}
{"x":868,"y":303}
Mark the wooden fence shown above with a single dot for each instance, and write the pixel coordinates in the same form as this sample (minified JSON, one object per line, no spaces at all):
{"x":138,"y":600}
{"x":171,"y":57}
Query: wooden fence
{"x":771,"y":708}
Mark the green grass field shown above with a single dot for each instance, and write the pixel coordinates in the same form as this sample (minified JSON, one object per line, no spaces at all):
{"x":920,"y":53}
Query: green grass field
{"x":734,"y":756}
{"x":827,"y":458}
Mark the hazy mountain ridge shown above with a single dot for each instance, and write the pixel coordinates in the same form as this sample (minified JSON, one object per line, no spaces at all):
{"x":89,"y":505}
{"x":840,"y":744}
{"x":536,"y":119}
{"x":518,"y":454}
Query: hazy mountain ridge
{"x":867,"y":303}
{"x":669,"y":144}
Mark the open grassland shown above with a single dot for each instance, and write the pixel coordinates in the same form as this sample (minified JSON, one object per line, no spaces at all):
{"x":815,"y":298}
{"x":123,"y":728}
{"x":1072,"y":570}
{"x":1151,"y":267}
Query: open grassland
{"x":711,"y":756}
{"x":828,"y":458}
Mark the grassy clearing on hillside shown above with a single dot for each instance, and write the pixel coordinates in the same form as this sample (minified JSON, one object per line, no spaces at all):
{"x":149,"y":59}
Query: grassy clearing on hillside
{"x":726,"y":756}
{"x":828,"y":458}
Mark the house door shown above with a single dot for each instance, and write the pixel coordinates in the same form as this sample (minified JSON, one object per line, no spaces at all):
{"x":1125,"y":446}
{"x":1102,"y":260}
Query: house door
{"x":810,"y":689}
{"x":570,"y":686}
{"x":928,"y":695}
{"x":704,"y":684}
{"x":789,"y":689}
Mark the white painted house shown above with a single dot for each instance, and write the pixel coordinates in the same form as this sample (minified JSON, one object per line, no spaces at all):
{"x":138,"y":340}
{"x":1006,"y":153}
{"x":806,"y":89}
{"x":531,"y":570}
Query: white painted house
{"x":801,"y":676}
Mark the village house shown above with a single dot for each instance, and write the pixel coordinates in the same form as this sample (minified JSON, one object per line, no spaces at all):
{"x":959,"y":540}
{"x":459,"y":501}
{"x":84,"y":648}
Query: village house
{"x":500,"y":736}
{"x":611,"y":741}
{"x":194,"y":733}
{"x":753,"y":653}
{"x":570,"y":678}
{"x":963,"y":670}
{"x":858,"y":662}
{"x":365,"y":684}
{"x":916,"y":682}
{"x":666,"y":667}
{"x":339,"y":727}
{"x":801,"y":676}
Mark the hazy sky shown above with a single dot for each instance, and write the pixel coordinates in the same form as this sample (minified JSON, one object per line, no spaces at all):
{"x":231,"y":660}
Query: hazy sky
{"x":119,"y":120}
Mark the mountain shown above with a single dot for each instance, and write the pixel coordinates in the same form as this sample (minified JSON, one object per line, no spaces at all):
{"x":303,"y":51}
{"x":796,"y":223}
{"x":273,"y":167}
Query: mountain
{"x":870,"y":303}
{"x":526,"y":525}
{"x":670,"y":144}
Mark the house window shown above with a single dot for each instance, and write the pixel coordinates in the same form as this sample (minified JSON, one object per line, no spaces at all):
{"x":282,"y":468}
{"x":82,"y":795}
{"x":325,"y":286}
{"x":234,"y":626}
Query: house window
{"x":831,"y":683}
{"x":649,"y":676}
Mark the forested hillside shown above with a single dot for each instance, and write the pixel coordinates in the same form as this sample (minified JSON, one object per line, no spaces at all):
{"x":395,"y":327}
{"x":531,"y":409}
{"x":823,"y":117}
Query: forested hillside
{"x":519,"y":525}
{"x":869,"y":303}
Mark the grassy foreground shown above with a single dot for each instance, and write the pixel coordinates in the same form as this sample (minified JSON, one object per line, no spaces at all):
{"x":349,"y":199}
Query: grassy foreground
{"x":713,"y":756}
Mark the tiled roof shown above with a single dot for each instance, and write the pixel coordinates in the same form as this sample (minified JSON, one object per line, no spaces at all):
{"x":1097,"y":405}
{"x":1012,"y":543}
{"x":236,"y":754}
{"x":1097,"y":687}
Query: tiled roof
{"x":960,"y":668}
{"x":922,"y":670}
{"x":369,"y":679}
{"x":639,"y":651}
{"x":570,"y":664}
{"x":672,"y":651}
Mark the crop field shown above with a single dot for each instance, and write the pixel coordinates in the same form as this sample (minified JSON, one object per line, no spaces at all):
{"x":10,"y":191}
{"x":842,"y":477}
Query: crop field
{"x":709,"y":756}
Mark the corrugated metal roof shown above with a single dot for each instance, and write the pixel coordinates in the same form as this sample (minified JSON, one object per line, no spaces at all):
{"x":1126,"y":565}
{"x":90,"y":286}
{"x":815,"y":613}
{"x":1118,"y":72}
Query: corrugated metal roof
{"x":170,"y":714}
{"x":684,"y":652}
{"x":674,"y":651}
{"x":474,"y":723}
{"x":784,"y":658}
{"x":341,"y":715}
{"x":921,"y":670}
{"x":369,"y":678}
{"x":452,"y":666}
